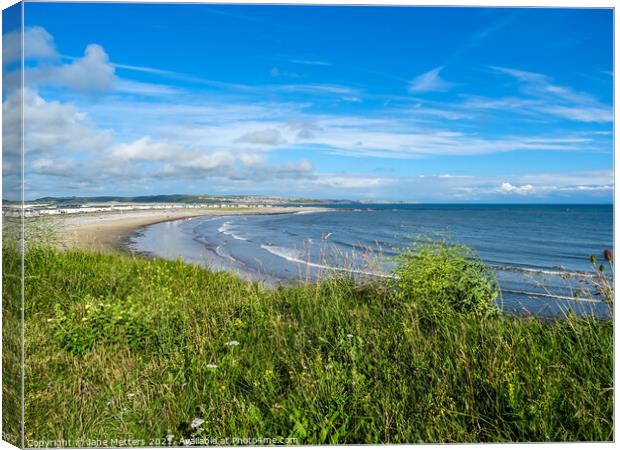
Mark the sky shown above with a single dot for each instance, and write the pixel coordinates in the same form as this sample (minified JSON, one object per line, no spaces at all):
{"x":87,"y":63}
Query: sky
{"x":413,"y":104}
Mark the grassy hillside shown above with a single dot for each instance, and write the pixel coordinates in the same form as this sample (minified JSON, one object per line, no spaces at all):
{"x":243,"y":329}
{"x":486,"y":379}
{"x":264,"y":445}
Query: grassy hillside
{"x":137,"y":349}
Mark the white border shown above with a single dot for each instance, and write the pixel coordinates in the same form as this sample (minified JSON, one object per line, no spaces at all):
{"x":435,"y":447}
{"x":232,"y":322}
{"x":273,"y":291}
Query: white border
{"x":479,"y":3}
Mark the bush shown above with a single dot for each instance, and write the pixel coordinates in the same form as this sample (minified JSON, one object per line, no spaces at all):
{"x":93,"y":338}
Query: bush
{"x":442,"y":277}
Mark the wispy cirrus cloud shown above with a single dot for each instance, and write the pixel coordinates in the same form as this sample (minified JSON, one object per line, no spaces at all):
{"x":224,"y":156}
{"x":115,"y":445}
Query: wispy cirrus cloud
{"x":430,"y":81}
{"x":546,"y":97}
{"x":310,"y":62}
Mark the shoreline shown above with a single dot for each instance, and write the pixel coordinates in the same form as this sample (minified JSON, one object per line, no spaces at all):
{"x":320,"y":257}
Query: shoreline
{"x":110,"y":231}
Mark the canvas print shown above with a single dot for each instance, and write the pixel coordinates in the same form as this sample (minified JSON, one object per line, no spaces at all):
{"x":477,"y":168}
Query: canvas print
{"x":303,"y":224}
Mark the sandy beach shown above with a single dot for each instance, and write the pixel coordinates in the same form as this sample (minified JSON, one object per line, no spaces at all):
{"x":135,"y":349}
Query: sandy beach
{"x":106,"y":231}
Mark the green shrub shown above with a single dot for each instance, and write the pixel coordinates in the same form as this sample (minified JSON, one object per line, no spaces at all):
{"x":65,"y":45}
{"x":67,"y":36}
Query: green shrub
{"x":441,"y":276}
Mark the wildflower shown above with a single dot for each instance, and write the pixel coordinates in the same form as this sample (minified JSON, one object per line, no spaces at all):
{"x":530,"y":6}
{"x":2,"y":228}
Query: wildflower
{"x":169,"y":438}
{"x":211,"y":366}
{"x":232,"y":343}
{"x":350,"y":336}
{"x":131,"y":395}
{"x":50,"y":320}
{"x":196,"y":422}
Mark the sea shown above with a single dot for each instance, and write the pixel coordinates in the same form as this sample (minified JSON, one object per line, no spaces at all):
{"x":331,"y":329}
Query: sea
{"x":540,"y":254}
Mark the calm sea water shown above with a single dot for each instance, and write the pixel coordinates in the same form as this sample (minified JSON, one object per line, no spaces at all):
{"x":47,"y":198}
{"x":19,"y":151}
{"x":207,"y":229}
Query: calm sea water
{"x":539,"y":253}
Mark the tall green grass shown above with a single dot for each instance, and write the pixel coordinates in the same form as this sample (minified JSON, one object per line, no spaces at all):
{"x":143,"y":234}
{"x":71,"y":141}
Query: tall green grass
{"x":11,"y":330}
{"x":126,"y":348}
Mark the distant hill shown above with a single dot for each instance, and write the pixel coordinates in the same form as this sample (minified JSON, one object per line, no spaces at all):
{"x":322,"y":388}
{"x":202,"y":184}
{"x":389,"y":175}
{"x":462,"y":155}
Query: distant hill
{"x":176,"y":198}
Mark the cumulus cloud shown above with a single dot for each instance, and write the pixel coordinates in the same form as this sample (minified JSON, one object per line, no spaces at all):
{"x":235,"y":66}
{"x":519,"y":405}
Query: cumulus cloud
{"x":60,"y":167}
{"x":144,"y":149}
{"x":269,"y":136}
{"x":520,"y":190}
{"x":232,"y":166}
{"x":39,"y":44}
{"x":91,"y":73}
{"x":304,"y":129}
{"x":49,"y":126}
{"x":430,"y":82}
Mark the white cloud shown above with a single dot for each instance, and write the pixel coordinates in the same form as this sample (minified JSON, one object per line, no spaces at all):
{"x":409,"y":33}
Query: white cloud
{"x":91,"y":73}
{"x":144,"y":149}
{"x":144,"y":89}
{"x":430,"y":82}
{"x":49,"y":126}
{"x":11,"y":47}
{"x":310,"y":62}
{"x":38,"y":44}
{"x":61,"y":167}
{"x":270,"y":136}
{"x":551,"y":99}
{"x":352,"y":181}
{"x":318,"y":89}
{"x":521,"y":190}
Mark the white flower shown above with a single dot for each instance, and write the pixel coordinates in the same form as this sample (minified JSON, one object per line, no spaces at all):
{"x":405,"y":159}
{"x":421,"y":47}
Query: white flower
{"x":196,"y":422}
{"x":50,"y":320}
{"x":211,"y":366}
{"x":169,"y":438}
{"x":130,"y":395}
{"x":232,"y":343}
{"x":350,"y":336}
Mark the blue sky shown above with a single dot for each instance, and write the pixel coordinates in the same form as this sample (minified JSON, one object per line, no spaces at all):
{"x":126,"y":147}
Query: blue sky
{"x":415,"y":104}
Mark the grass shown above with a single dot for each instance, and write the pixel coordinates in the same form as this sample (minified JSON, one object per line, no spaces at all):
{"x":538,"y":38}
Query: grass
{"x":128,"y":348}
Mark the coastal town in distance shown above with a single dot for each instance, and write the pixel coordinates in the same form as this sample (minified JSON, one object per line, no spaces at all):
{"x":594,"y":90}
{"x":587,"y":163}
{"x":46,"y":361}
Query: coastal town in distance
{"x":53,"y":206}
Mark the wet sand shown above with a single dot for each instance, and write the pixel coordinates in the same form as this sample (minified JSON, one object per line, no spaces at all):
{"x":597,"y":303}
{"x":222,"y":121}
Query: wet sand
{"x":108,"y":231}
